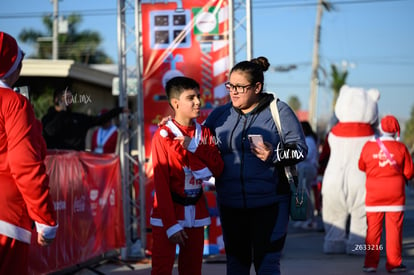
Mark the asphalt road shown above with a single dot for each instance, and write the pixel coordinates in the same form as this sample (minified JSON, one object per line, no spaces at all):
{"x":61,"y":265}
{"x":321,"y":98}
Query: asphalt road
{"x":302,"y":255}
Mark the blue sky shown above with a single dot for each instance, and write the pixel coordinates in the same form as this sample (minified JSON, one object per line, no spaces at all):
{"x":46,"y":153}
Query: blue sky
{"x":376,"y":39}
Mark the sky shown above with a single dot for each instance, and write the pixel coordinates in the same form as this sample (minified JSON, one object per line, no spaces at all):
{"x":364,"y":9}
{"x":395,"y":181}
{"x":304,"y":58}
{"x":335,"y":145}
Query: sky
{"x":374,"y":39}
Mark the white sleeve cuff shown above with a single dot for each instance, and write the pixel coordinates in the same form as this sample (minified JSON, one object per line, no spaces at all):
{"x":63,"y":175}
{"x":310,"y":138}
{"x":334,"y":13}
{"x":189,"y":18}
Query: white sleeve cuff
{"x":173,"y":229}
{"x":49,"y":232}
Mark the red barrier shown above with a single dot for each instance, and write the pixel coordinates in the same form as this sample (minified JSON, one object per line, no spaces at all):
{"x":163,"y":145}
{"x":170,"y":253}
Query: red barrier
{"x":87,"y":195}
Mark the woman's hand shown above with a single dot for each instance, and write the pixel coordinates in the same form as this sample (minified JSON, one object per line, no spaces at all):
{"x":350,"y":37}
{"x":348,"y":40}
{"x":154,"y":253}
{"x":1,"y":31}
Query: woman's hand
{"x":262,"y":150}
{"x":164,"y":121}
{"x":179,"y":238}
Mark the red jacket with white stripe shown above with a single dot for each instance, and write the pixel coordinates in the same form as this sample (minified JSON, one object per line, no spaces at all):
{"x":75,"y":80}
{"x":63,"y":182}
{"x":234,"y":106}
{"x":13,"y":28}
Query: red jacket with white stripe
{"x":385,"y":186}
{"x":24,"y":185}
{"x":182,"y":171}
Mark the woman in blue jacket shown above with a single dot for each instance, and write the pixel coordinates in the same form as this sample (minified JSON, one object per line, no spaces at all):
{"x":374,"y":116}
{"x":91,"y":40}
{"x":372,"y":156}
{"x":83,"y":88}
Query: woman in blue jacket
{"x":252,"y":200}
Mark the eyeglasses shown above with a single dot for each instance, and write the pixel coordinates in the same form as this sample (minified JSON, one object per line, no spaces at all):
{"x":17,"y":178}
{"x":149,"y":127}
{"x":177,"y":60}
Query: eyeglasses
{"x":239,"y":89}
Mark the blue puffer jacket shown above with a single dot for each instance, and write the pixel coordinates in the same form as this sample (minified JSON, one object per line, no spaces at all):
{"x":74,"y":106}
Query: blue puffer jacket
{"x":246,"y":181}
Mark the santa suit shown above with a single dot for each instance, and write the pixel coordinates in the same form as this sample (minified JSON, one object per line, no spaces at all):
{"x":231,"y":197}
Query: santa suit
{"x":342,"y":188}
{"x":24,"y":195}
{"x":178,"y":177}
{"x":385,"y":195}
{"x":104,"y":140}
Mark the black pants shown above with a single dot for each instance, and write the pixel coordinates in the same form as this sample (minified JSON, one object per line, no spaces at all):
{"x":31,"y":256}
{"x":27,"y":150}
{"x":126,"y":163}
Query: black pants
{"x":254,"y":235}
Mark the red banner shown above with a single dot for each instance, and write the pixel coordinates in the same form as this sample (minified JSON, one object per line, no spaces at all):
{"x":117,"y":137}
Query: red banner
{"x":87,"y":195}
{"x":184,"y":37}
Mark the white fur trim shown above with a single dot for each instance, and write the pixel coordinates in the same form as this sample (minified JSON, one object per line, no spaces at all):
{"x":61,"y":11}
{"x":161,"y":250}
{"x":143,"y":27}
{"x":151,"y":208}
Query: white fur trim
{"x":4,"y":85}
{"x":156,"y":222}
{"x":15,"y":64}
{"x":15,"y":232}
{"x":195,"y":141}
{"x":174,"y":128}
{"x":202,"y":173}
{"x":202,"y":222}
{"x":385,"y":208}
{"x":181,"y":223}
{"x":163,"y":133}
{"x":173,"y":229}
{"x":192,"y":147}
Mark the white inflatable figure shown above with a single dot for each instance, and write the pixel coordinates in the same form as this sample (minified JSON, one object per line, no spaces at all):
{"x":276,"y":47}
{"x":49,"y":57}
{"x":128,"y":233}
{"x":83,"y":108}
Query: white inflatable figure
{"x":343,"y":186}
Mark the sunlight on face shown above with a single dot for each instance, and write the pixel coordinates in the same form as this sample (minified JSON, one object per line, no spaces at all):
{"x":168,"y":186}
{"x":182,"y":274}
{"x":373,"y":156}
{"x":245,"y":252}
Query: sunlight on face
{"x":189,"y":104}
{"x":244,"y":101}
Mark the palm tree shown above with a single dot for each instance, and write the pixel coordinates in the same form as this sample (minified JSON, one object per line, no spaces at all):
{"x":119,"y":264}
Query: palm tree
{"x":83,"y":47}
{"x":338,"y":80}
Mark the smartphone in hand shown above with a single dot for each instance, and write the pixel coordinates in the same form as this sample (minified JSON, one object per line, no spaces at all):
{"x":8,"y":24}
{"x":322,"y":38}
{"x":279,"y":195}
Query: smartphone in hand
{"x":255,"y":139}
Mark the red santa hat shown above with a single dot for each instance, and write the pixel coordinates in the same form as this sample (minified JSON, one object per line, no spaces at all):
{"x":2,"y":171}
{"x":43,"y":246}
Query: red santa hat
{"x":10,"y":55}
{"x":390,"y":126}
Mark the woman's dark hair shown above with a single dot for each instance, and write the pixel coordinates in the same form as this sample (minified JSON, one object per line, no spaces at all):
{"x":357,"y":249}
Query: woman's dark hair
{"x":307,"y":130}
{"x":254,"y":69}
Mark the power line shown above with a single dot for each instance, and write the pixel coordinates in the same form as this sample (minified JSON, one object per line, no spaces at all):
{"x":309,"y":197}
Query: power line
{"x":257,"y":5}
{"x":306,"y":85}
{"x":19,"y":15}
{"x":273,"y":4}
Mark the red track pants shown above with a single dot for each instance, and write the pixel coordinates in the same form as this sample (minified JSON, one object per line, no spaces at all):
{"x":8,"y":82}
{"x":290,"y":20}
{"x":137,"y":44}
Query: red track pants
{"x":13,"y":256}
{"x":393,"y":238}
{"x":190,"y":256}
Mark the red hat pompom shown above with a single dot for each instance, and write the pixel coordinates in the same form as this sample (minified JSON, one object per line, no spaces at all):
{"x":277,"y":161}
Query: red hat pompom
{"x":390,"y":126}
{"x":10,"y":55}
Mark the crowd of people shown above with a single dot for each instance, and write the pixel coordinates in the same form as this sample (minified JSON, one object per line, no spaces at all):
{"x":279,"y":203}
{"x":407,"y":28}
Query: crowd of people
{"x":253,"y":200}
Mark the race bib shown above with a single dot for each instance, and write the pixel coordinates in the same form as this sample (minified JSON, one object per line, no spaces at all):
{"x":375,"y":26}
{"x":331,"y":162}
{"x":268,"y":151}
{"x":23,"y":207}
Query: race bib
{"x":192,"y":186}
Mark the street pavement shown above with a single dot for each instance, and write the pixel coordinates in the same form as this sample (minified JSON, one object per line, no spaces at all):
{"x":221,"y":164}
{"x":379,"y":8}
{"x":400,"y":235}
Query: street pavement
{"x":302,"y":255}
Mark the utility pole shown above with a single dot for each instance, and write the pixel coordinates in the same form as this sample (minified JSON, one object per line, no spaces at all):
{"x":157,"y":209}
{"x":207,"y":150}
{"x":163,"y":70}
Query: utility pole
{"x":55,"y":42}
{"x":314,"y":84}
{"x":249,"y":33}
{"x":313,"y":97}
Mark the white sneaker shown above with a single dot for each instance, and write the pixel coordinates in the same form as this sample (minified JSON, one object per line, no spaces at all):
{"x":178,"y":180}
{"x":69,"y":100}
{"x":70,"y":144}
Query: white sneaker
{"x":297,"y":224}
{"x":369,"y":269}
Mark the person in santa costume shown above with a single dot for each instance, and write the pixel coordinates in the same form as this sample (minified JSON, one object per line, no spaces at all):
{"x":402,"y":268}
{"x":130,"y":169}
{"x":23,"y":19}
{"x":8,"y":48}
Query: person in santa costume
{"x":24,"y":196}
{"x":105,"y":138}
{"x":388,"y":165}
{"x":184,"y":154}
